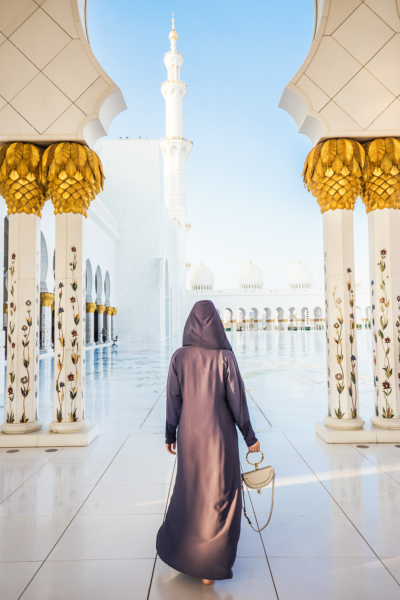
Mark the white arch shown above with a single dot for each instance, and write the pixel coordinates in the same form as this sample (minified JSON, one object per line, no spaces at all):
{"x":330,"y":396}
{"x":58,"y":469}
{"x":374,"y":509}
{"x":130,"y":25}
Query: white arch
{"x":89,"y":281}
{"x":98,"y":286}
{"x":107,"y":288}
{"x":44,"y":263}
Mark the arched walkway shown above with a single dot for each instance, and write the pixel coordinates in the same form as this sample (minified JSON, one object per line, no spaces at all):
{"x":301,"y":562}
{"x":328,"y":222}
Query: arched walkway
{"x":107,"y":289}
{"x":269,"y":322}
{"x":44,"y":263}
{"x":89,"y":281}
{"x":99,"y":286}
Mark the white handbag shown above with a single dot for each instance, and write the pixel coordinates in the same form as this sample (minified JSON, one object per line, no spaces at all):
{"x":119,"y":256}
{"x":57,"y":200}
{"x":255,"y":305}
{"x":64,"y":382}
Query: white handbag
{"x":255,"y":480}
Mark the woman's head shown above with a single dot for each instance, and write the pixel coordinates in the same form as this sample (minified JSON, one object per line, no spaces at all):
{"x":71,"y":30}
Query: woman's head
{"x":204,"y":328}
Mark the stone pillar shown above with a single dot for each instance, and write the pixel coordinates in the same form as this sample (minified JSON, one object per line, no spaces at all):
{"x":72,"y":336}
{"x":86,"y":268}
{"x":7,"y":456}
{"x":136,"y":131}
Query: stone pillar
{"x":384,"y":266}
{"x":70,"y":327}
{"x":46,"y":301}
{"x":340,"y":303}
{"x":100,"y":322}
{"x":113,"y":329}
{"x":333,"y":173}
{"x":3,"y":213}
{"x":90,"y":308}
{"x":233,"y":324}
{"x":381,"y":197}
{"x":22,"y":387}
{"x":109,"y":313}
{"x":74,"y":175}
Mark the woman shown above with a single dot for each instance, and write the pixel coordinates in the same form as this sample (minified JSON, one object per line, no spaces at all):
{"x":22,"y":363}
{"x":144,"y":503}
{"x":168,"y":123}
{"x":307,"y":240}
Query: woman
{"x":206,"y":397}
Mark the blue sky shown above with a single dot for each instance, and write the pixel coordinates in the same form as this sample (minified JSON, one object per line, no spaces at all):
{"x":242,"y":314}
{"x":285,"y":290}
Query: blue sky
{"x":245,"y":196}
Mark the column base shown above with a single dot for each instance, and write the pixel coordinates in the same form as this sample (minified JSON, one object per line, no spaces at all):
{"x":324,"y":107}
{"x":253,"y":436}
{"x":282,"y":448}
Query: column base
{"x":46,"y":439}
{"x":344,"y":424}
{"x":90,"y":344}
{"x":99,"y":343}
{"x":56,"y":427}
{"x":385,"y":423}
{"x":13,"y":428}
{"x":367,"y":435}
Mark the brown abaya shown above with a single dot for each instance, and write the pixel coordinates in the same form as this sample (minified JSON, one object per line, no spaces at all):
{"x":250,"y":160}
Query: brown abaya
{"x":205,"y":399}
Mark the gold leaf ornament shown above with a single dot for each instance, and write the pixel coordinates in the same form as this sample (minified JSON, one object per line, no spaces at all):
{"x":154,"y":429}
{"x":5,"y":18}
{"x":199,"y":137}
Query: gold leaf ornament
{"x":21,"y":179}
{"x":333,"y":173}
{"x":74,"y":176}
{"x":382,"y":174}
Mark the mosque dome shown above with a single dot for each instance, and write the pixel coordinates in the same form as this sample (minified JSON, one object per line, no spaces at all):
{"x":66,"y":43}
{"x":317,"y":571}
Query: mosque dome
{"x":201,"y":278}
{"x":251,"y":277}
{"x":300,"y":277}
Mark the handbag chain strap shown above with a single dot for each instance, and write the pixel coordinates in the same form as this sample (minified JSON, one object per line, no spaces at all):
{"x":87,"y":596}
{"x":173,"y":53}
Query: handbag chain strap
{"x":270,"y":512}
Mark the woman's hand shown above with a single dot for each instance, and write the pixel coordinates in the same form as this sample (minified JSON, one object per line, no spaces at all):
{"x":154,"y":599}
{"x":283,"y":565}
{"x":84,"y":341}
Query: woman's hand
{"x":170,"y":446}
{"x":255,"y":447}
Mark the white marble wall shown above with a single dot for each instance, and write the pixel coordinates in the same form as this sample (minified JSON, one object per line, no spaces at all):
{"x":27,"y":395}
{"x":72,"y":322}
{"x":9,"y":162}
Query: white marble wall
{"x":134,"y":193}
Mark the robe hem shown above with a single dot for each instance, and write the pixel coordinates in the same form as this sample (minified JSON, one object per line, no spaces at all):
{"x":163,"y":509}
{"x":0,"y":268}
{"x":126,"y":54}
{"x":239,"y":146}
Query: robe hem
{"x":192,"y":574}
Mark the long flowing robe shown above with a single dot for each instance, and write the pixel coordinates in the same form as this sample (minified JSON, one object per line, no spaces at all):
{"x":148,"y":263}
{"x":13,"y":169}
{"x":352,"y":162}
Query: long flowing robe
{"x":206,"y":398}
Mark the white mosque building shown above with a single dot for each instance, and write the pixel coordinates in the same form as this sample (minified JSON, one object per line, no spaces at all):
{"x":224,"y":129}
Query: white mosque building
{"x":136,"y":260}
{"x":251,"y":306}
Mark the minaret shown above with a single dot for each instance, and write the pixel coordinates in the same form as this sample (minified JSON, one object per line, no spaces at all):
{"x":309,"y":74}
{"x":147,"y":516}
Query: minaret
{"x":175,"y":150}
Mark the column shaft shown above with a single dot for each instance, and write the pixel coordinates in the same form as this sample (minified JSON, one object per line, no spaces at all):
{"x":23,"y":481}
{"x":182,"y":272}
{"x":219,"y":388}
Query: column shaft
{"x":70,"y":326}
{"x":22,"y":394}
{"x":90,"y":308}
{"x":100,"y":323}
{"x":113,"y":327}
{"x":341,"y":343}
{"x":384,"y":264}
{"x":109,"y":312}
{"x":46,"y":301}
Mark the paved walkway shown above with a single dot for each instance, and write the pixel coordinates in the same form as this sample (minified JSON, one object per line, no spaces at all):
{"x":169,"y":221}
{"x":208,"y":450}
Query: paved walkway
{"x":80,"y":523}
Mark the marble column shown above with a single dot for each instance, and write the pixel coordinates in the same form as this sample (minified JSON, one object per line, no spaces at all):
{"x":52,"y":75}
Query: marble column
{"x":233,"y":324}
{"x":333,"y":173}
{"x":3,"y":213}
{"x":46,"y":301}
{"x":109,"y":313}
{"x":113,"y":328}
{"x":384,"y":267}
{"x":340,"y":303}
{"x":90,"y":308}
{"x":22,"y":393}
{"x":101,"y":309}
{"x":70,"y":326}
{"x":5,"y":311}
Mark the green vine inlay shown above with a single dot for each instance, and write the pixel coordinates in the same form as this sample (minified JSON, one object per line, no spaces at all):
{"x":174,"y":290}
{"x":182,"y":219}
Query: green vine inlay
{"x":10,"y":418}
{"x":75,"y":356}
{"x":353,"y":379}
{"x":60,"y":357}
{"x":387,"y":412}
{"x":26,"y":379}
{"x":339,"y":352}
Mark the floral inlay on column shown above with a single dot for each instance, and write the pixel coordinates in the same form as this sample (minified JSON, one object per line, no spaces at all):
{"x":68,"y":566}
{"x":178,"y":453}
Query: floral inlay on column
{"x":75,"y":356}
{"x":339,"y":352}
{"x":327,"y":338}
{"x":60,"y":357}
{"x":11,"y":328}
{"x":398,"y":329}
{"x":353,"y":377}
{"x":387,"y":412}
{"x":25,"y":380}
{"x":375,"y":338}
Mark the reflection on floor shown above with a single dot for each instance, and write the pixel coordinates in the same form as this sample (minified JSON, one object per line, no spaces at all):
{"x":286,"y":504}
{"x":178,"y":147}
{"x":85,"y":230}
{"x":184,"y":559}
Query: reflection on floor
{"x":81,"y":522}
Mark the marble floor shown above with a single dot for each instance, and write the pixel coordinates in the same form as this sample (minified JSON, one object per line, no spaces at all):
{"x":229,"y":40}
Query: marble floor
{"x":80,"y":523}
